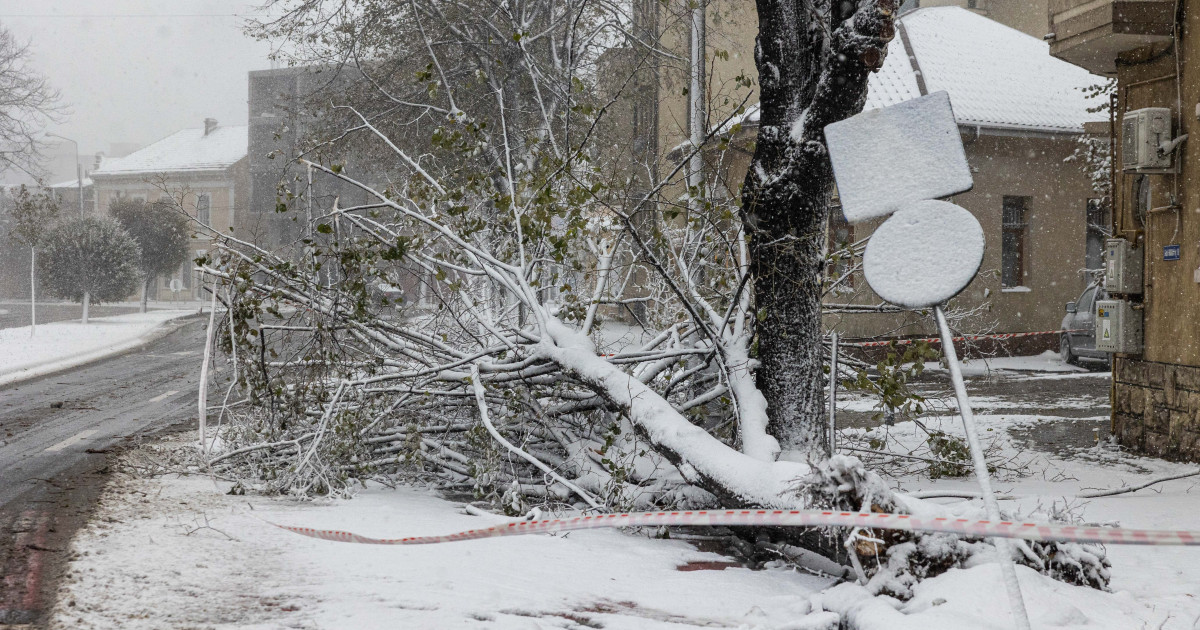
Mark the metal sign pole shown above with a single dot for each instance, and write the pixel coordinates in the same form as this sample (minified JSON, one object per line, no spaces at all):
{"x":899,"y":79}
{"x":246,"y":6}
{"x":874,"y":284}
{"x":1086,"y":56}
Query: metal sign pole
{"x":1016,"y":600}
{"x":833,"y":370}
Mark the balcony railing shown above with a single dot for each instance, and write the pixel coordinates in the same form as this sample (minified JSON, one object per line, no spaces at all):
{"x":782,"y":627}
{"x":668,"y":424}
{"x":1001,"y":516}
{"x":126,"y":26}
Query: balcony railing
{"x":1091,"y":33}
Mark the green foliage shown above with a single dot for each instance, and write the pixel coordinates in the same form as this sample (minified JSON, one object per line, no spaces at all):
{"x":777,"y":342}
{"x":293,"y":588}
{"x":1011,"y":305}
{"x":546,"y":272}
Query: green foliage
{"x":891,"y":381}
{"x":32,"y":216}
{"x":953,"y":455}
{"x":91,"y":255}
{"x":160,"y":231}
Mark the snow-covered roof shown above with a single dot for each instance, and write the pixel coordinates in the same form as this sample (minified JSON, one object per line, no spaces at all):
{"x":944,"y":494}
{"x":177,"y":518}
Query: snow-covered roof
{"x":186,"y":150}
{"x":997,"y":77}
{"x":74,"y":183}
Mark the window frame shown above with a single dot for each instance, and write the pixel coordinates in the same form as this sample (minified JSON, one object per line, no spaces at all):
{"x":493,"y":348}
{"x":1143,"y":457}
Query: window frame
{"x":206,"y":198}
{"x":1019,"y":231}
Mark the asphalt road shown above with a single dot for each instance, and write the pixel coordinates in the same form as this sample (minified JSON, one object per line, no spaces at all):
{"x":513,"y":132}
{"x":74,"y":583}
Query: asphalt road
{"x":54,"y":434}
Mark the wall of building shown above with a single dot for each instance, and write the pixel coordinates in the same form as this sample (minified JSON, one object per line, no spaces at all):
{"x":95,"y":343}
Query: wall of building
{"x":226,"y":195}
{"x":1056,"y":240}
{"x":1156,"y":395}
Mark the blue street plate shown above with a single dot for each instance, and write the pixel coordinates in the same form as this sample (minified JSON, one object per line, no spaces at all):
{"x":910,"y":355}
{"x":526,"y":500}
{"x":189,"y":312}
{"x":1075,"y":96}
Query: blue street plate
{"x":1170,"y":252}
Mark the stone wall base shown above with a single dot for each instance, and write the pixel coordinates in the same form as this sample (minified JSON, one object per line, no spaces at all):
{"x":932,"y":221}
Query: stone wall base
{"x":1156,"y":408}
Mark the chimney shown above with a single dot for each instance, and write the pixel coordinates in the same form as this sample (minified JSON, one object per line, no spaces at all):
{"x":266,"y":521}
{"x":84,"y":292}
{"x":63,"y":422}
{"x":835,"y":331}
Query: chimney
{"x":99,"y":160}
{"x":209,"y":125}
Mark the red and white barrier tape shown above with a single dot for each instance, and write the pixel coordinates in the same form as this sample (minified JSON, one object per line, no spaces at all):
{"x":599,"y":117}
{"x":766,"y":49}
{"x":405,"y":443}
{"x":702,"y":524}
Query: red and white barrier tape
{"x":902,"y":342}
{"x":789,"y":518}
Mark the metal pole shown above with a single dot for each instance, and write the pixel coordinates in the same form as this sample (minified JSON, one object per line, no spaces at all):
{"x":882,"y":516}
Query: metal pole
{"x":1007,"y":570}
{"x":833,"y":371}
{"x":79,"y":178}
{"x":78,"y":168}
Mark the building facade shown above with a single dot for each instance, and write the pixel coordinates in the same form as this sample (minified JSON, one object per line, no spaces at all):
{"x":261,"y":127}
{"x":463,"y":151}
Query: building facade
{"x":1153,"y":52}
{"x":200,"y":170}
{"x":1021,"y":116}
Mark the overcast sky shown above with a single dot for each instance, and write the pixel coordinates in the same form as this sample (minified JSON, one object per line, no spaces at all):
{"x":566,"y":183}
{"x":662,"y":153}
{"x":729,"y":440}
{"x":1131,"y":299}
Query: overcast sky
{"x":138,"y":70}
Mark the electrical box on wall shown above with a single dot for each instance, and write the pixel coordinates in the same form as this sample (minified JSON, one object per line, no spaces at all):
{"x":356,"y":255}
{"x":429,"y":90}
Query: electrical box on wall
{"x":1122,"y":267}
{"x":1118,"y":327}
{"x":1143,"y":132}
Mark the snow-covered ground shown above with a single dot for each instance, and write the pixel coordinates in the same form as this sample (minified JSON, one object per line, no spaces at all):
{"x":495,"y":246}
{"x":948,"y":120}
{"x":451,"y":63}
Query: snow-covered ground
{"x":180,"y":552}
{"x":172,"y":553}
{"x":61,"y":345}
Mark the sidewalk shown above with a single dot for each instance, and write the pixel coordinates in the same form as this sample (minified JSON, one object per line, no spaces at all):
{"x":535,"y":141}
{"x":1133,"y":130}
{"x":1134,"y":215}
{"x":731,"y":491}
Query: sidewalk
{"x":171,"y":552}
{"x":62,"y":345}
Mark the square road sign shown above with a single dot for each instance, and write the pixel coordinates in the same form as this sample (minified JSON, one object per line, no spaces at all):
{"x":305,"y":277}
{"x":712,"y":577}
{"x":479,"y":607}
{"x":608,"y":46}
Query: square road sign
{"x":886,"y":158}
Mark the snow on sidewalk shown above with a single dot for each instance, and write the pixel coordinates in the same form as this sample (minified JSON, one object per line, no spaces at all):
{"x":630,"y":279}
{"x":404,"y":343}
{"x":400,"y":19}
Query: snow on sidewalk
{"x":172,"y":552}
{"x":179,"y":553}
{"x":60,"y":345}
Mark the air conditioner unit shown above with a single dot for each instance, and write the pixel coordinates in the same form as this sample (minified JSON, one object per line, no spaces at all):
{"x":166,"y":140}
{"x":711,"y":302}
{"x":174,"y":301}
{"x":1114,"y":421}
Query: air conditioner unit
{"x":1143,"y":131}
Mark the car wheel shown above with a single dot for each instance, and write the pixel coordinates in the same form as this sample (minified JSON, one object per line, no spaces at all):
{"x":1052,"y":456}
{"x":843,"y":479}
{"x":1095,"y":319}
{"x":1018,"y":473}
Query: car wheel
{"x":1064,"y":351}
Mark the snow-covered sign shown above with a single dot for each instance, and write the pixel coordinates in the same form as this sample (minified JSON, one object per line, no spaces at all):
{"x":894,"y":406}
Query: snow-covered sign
{"x":924,"y":254}
{"x":887,"y":158}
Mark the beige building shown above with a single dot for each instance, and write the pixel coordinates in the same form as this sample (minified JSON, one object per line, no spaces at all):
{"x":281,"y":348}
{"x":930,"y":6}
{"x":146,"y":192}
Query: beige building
{"x":1021,"y":114}
{"x":202,"y":170}
{"x":1148,"y":46}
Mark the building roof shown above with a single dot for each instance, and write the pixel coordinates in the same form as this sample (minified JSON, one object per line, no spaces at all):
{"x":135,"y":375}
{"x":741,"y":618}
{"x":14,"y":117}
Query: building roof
{"x":74,"y":183}
{"x":186,"y":150}
{"x":997,"y":77}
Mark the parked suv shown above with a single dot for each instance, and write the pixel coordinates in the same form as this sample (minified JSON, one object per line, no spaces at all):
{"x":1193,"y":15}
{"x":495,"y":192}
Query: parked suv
{"x":1077,"y":341}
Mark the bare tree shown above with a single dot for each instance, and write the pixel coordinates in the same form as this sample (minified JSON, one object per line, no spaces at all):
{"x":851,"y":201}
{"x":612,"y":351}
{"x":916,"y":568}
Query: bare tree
{"x":32,"y":217}
{"x":27,"y":103}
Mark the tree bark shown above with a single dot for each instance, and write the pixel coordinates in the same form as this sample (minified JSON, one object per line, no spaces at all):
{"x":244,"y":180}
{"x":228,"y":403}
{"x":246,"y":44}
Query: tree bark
{"x":87,"y":300}
{"x":145,"y":292}
{"x":813,"y":59}
{"x":32,"y":290}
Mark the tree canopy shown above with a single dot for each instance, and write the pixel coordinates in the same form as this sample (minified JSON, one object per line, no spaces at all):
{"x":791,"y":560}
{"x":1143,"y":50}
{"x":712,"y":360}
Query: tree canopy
{"x":32,"y":215}
{"x":93,"y":256}
{"x":160,"y":231}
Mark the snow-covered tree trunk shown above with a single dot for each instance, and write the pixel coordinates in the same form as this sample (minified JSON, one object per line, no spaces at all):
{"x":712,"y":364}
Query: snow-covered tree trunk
{"x":813,"y":60}
{"x":87,"y":300}
{"x":32,"y":290}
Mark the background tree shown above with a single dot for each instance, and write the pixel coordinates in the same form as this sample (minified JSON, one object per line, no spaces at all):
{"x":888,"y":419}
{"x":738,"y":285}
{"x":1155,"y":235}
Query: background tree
{"x":161,"y":233}
{"x":90,"y":258}
{"x":27,"y":104}
{"x":813,"y":58}
{"x":31,"y":218}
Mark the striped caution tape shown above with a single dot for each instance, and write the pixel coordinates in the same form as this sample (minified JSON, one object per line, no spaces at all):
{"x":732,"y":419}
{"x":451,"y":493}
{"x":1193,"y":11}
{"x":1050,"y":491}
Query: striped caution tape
{"x":902,"y":342}
{"x":789,"y":518}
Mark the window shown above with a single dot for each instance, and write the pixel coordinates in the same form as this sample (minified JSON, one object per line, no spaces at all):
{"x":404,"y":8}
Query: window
{"x":185,"y":274}
{"x":1097,"y":232}
{"x":909,"y":5}
{"x":972,"y":4}
{"x":1014,"y":241}
{"x":203,"y":211}
{"x":839,"y":238}
{"x":1086,"y":301}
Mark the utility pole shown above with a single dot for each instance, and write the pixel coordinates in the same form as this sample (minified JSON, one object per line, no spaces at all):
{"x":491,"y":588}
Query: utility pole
{"x":78,"y":169}
{"x":697,"y":118}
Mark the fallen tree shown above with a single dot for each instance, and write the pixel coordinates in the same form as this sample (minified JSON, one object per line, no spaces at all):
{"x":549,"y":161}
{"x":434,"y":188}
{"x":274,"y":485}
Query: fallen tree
{"x":504,"y":370}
